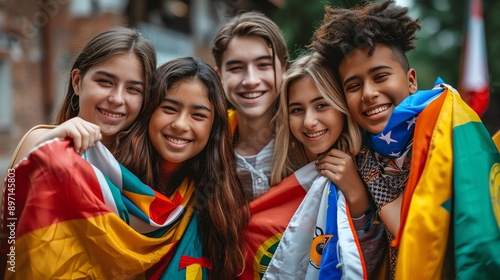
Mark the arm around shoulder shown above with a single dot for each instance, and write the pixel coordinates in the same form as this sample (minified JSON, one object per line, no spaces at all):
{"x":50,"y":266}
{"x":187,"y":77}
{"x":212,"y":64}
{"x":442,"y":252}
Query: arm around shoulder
{"x":28,"y":142}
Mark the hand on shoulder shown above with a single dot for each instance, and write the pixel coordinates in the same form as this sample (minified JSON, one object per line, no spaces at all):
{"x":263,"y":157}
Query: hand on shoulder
{"x":84,"y":135}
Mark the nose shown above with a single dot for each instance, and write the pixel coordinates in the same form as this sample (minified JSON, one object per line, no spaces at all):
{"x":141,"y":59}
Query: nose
{"x":251,"y":78}
{"x":181,"y":123}
{"x":370,"y":92}
{"x":310,"y":120}
{"x":116,"y":96}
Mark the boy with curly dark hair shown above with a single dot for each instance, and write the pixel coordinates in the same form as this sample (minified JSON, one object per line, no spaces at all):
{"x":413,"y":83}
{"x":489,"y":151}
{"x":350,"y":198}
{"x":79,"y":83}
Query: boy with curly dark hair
{"x":365,"y":49}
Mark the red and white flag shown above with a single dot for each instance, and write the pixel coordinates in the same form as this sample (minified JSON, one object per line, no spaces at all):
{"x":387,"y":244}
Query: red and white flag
{"x":474,"y":82}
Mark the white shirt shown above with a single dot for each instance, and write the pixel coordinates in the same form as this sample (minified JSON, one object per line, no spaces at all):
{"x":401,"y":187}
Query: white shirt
{"x":255,"y":171}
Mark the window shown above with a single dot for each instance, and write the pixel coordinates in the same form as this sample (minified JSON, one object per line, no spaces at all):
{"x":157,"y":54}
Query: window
{"x":5,"y":94}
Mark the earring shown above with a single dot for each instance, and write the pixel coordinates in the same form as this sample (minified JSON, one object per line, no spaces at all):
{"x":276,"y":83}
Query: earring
{"x":73,"y":105}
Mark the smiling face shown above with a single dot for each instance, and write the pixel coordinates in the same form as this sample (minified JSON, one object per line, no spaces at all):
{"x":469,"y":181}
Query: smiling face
{"x":247,"y":73}
{"x":180,"y":128}
{"x":111,"y":93}
{"x":374,"y":85}
{"x":314,"y":123}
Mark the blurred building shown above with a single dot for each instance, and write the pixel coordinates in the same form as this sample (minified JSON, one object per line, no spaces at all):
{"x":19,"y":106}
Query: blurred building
{"x":40,"y":38}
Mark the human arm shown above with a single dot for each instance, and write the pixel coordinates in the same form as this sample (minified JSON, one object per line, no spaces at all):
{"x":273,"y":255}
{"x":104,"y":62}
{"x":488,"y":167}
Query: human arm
{"x":341,"y":169}
{"x":385,"y":179}
{"x":84,"y":134}
{"x":390,"y":214}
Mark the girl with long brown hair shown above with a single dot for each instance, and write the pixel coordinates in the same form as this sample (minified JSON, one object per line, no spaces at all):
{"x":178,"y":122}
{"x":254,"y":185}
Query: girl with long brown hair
{"x":108,"y":84}
{"x":182,"y":138}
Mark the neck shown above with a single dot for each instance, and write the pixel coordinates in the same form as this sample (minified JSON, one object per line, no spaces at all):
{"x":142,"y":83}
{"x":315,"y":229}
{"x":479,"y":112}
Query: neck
{"x":168,"y":169}
{"x":311,"y":156}
{"x":108,"y":141}
{"x":253,"y":134}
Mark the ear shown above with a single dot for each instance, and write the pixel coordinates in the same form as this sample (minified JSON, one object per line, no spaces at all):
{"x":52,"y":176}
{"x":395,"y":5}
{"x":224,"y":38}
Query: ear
{"x":217,"y":70}
{"x":283,"y":67}
{"x":75,"y":80}
{"x":412,"y":81}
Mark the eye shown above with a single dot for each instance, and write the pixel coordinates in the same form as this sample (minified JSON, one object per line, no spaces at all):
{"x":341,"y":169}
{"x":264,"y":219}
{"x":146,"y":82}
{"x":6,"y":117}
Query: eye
{"x":352,"y":87}
{"x":104,"y":82}
{"x":235,"y":68}
{"x":322,"y":106}
{"x":381,"y":77}
{"x":295,"y":110}
{"x":135,"y":90}
{"x":169,"y":109}
{"x":200,"y":116}
{"x":265,"y":65}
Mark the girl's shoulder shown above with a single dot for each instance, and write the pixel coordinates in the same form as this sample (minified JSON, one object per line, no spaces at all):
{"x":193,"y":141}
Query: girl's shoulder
{"x":27,"y":142}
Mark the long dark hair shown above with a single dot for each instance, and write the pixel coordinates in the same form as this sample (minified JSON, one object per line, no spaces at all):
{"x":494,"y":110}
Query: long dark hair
{"x":219,"y":196}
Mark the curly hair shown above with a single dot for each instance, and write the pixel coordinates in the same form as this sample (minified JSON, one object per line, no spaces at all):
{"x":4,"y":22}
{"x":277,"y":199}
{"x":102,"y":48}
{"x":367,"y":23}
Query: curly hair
{"x":345,"y":30}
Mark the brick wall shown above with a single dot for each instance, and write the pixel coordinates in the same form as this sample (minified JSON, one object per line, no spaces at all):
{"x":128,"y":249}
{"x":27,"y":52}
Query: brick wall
{"x":47,"y":38}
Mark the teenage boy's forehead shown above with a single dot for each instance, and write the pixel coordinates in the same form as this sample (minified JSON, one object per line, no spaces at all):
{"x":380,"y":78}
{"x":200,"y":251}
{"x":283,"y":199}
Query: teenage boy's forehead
{"x":263,"y":58}
{"x":380,"y":52}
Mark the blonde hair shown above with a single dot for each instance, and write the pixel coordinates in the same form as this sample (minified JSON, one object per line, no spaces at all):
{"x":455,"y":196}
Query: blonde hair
{"x":289,"y":154}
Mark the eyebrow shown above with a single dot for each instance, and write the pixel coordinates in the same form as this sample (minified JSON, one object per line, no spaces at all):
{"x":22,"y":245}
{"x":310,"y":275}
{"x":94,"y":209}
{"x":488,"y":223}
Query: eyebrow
{"x":371,"y":70}
{"x":312,"y":101}
{"x":235,"y":61}
{"x":180,"y":104}
{"x":114,"y":77}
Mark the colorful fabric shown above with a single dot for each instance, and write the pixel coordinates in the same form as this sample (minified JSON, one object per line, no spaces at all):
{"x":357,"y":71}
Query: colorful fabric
{"x":271,"y":214}
{"x":393,"y":140}
{"x":92,"y":219}
{"x":455,"y":167}
{"x":331,"y":265}
{"x":385,"y":177}
{"x":299,"y":254}
{"x":233,"y":120}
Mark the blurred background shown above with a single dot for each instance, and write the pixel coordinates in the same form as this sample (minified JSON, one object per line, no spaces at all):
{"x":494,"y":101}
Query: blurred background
{"x":40,"y":38}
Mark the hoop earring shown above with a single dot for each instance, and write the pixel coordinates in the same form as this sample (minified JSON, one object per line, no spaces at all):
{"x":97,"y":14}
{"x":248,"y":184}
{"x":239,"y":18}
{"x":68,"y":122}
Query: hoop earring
{"x":71,"y":103}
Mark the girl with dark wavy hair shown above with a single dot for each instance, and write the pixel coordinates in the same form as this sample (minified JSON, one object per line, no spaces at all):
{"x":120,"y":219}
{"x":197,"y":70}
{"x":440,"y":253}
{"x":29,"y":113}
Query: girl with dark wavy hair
{"x":182,"y":138}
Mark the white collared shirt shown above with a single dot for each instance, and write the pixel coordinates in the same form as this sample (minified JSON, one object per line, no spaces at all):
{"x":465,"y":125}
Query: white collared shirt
{"x":255,"y":171}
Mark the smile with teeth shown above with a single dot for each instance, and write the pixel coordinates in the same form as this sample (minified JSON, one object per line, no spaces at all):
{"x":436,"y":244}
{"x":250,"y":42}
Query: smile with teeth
{"x":252,"y":95}
{"x":315,"y":134}
{"x":377,"y":110}
{"x":109,"y":114}
{"x":177,"y":141}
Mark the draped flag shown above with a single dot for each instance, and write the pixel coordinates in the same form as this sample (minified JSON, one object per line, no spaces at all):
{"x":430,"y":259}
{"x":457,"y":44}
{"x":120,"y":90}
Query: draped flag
{"x":474,"y":84}
{"x":301,"y":251}
{"x":271,"y":214}
{"x":454,"y":184}
{"x":74,"y":218}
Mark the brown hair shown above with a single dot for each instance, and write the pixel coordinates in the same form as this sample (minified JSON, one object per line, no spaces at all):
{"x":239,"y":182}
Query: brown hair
{"x":113,"y":41}
{"x":219,"y":196}
{"x":344,"y":30}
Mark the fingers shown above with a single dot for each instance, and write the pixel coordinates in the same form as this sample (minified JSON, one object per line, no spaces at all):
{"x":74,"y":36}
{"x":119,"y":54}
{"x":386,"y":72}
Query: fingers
{"x":84,"y":134}
{"x":87,"y":134}
{"x":337,"y":166}
{"x":336,"y":158}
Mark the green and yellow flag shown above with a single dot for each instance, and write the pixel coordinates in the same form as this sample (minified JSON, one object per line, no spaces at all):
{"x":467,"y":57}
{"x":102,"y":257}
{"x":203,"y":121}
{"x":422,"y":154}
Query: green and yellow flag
{"x":453,"y":194}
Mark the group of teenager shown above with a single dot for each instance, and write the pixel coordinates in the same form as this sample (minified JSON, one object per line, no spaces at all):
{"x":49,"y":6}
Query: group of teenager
{"x":329,"y":112}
